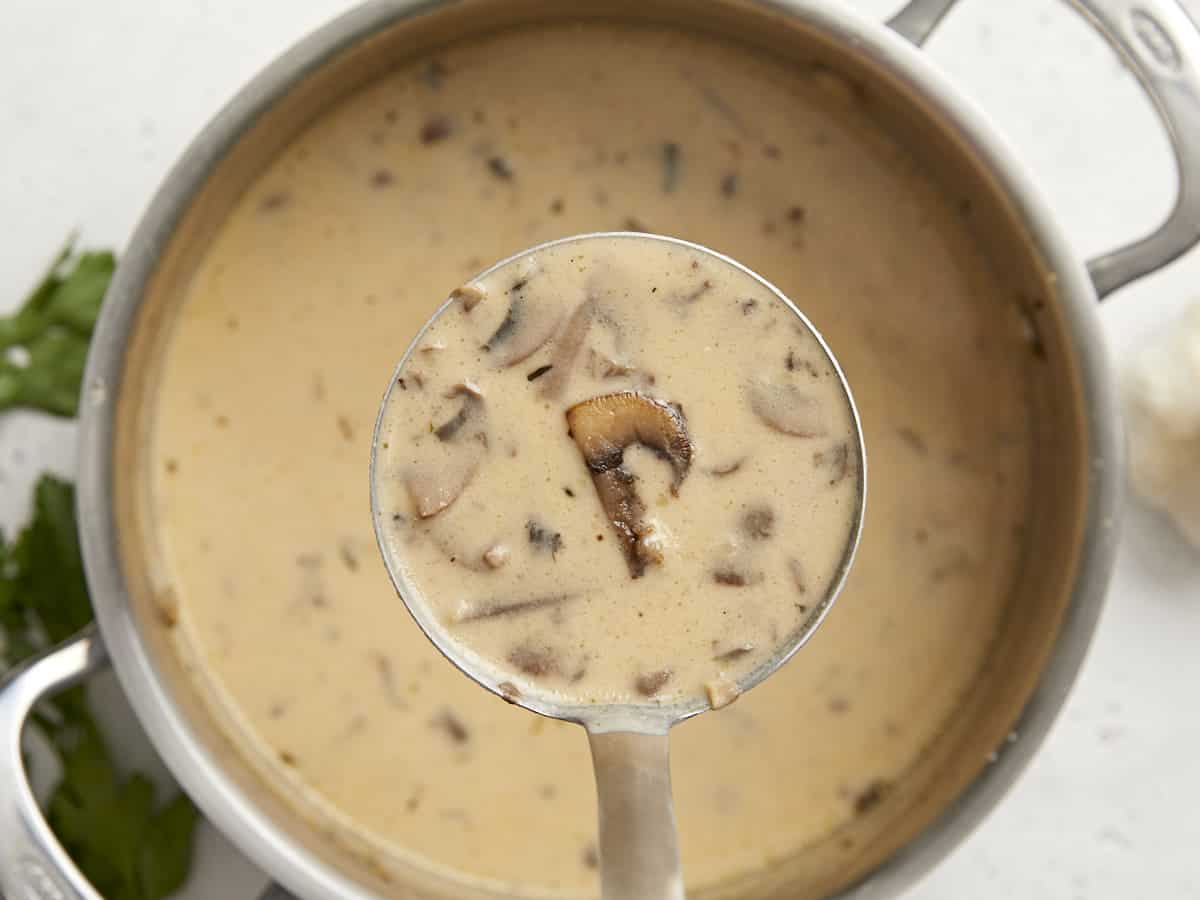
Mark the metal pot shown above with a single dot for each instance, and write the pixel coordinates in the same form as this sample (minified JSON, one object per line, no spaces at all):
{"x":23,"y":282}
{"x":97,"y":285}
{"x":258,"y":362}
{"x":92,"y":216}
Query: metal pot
{"x":1082,"y":468}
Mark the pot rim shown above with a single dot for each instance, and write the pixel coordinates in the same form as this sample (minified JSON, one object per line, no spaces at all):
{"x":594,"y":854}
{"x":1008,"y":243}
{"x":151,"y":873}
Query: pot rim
{"x":203,"y":777}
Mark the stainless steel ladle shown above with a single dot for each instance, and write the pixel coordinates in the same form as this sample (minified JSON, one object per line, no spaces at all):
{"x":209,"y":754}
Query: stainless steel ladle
{"x":638,"y":841}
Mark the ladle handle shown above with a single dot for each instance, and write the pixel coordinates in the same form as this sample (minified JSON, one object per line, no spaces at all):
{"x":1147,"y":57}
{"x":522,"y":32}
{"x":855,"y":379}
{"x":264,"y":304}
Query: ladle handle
{"x":639,"y":843}
{"x":1161,"y":46}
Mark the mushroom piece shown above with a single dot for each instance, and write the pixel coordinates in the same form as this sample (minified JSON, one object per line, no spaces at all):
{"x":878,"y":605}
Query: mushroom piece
{"x":470,"y":295}
{"x":723,"y":653}
{"x":434,"y":486}
{"x":721,"y":691}
{"x":496,"y":556}
{"x":727,"y":468}
{"x":602,"y":428}
{"x":758,"y":522}
{"x":648,"y":684}
{"x":526,"y":326}
{"x":788,"y":409}
{"x":472,"y":408}
{"x":601,"y":365}
{"x":474,"y":610}
{"x":567,"y":347}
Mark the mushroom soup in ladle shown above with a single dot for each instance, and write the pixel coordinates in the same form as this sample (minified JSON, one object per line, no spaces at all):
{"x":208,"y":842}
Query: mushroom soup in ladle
{"x":619,"y":479}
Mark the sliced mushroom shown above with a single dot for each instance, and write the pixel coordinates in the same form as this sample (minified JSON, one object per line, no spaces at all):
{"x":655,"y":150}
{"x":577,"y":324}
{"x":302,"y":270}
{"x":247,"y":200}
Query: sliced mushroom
{"x":727,"y":468}
{"x":758,"y":522}
{"x":435,"y":485}
{"x":836,"y":460}
{"x":728,"y":653}
{"x":602,"y":428}
{"x":732,"y":576}
{"x":736,"y":565}
{"x":508,"y":325}
{"x":601,"y":365}
{"x":788,"y":409}
{"x":534,"y":661}
{"x":799,"y":575}
{"x":471,"y":410}
{"x":474,"y":610}
{"x":433,"y":488}
{"x":527,"y":325}
{"x":567,"y":347}
{"x":650,"y":683}
{"x":626,"y":514}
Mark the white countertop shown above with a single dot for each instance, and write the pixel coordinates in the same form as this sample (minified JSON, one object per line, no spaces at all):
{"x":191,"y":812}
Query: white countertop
{"x":98,"y":99}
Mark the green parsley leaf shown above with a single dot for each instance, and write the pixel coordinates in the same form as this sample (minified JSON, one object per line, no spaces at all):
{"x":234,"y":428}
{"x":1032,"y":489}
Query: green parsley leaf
{"x":127,"y":848}
{"x":45,"y":342}
{"x":166,"y":854}
{"x":47,"y":567}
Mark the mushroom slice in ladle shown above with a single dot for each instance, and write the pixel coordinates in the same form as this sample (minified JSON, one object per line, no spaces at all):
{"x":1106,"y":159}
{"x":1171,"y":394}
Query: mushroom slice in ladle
{"x":788,"y":409}
{"x":530,"y":322}
{"x":602,"y":428}
{"x":434,"y":486}
{"x":471,"y":410}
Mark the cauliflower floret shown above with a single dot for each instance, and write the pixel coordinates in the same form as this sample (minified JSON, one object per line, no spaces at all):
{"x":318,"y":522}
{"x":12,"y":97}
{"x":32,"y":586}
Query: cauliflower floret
{"x":1162,"y":398}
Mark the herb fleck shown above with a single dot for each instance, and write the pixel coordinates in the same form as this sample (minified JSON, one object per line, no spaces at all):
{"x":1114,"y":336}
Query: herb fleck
{"x":273,"y":201}
{"x":434,"y":74}
{"x":870,"y":796}
{"x":435,"y":130}
{"x":501,"y":168}
{"x":453,"y":727}
{"x":671,"y":154}
{"x":543,"y":538}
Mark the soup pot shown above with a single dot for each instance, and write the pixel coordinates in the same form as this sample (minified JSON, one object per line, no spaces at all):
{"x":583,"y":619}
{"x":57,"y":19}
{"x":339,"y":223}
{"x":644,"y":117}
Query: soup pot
{"x":1078,"y":473}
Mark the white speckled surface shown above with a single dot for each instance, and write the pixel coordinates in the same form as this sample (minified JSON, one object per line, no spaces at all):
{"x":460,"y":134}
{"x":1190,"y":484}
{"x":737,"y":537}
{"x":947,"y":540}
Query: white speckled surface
{"x":97,"y":99}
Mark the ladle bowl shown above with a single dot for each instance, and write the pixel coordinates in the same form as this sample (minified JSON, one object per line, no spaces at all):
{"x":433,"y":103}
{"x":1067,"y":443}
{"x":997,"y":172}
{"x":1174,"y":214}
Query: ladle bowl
{"x":638,"y":842}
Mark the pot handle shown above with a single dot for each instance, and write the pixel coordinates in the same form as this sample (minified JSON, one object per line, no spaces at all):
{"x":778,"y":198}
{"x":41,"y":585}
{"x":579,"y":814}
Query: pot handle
{"x":33,"y":864}
{"x":1161,"y":46}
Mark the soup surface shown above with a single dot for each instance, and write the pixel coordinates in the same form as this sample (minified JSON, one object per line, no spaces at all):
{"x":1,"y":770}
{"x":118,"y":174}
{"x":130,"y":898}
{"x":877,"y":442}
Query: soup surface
{"x":618,"y":469}
{"x":323,"y":274}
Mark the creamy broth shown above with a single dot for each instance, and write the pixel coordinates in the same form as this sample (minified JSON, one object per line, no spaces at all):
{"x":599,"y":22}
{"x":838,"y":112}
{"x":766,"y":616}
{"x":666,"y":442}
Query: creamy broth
{"x":346,"y":244}
{"x":618,"y":470}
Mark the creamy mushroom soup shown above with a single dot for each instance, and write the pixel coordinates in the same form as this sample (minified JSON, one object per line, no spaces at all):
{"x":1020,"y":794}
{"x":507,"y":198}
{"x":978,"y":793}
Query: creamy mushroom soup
{"x":346,"y":244}
{"x":618,"y":470}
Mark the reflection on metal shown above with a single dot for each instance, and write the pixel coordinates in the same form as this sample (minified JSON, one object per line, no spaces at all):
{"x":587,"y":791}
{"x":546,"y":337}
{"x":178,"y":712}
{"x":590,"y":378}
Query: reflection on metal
{"x":916,"y":21}
{"x":32,"y":863}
